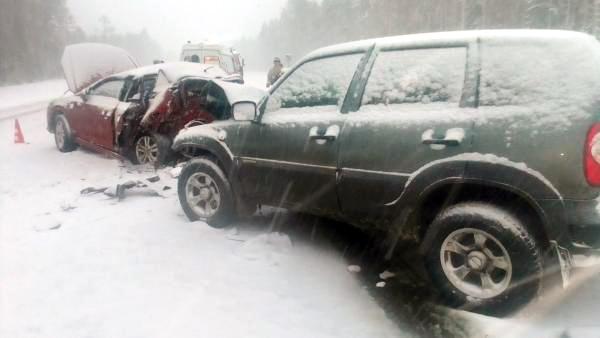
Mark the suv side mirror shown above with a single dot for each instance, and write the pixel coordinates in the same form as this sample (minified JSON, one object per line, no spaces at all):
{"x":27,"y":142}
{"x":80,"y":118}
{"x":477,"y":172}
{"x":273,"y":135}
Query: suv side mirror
{"x":244,"y":111}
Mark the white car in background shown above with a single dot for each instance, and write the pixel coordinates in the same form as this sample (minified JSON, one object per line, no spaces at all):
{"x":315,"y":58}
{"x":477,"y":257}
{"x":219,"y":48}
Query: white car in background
{"x":216,"y":54}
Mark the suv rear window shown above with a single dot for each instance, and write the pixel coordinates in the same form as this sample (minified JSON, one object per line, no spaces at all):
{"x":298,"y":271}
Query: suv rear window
{"x":524,"y":73}
{"x":419,"y":76}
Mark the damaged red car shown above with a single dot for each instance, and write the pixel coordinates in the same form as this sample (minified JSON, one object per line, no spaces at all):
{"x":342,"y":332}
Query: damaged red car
{"x":129,"y":111}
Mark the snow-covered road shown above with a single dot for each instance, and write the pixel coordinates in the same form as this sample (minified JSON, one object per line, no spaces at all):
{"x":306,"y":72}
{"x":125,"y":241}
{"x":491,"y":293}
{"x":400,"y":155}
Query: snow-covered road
{"x":74,"y":265}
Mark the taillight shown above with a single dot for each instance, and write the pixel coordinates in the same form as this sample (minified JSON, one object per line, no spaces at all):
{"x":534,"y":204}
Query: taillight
{"x":592,"y":155}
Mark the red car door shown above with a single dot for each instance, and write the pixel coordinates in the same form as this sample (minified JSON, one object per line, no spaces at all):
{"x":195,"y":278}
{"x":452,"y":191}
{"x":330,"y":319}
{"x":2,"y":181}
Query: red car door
{"x":78,"y":119}
{"x":99,"y":112}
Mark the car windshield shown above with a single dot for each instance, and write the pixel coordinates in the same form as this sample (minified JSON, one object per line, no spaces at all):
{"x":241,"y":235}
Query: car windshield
{"x":300,"y":168}
{"x":226,"y":62}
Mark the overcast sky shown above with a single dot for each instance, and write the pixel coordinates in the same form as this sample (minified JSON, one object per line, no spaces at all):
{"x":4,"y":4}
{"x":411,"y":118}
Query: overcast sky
{"x":173,"y":22}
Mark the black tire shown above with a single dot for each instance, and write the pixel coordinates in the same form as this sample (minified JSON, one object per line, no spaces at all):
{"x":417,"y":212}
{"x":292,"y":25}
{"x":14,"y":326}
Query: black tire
{"x":525,"y":258}
{"x":225,"y":212}
{"x":63,"y":136}
{"x":163,"y":154}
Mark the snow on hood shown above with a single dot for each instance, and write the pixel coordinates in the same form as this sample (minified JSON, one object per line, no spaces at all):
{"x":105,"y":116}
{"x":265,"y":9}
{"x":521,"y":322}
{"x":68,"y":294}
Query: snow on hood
{"x":239,"y":93}
{"x":86,"y":63}
{"x":177,"y":70}
{"x":174,"y":71}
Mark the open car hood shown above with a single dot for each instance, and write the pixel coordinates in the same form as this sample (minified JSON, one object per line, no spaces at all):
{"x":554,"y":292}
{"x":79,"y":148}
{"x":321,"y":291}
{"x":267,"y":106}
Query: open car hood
{"x":86,"y":63}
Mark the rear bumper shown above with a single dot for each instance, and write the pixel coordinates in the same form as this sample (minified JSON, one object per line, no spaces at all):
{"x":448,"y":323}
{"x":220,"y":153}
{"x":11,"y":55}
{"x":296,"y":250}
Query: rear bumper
{"x":582,"y":219}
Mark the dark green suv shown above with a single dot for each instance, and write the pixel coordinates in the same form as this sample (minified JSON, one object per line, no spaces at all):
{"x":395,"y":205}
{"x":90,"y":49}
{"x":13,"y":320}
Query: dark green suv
{"x":482,"y":146}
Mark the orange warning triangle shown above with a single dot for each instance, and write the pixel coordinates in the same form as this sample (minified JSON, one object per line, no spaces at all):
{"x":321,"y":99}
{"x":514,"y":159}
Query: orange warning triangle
{"x":18,"y":133}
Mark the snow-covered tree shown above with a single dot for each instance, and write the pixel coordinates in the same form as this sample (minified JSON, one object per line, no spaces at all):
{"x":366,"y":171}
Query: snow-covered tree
{"x":307,"y":24}
{"x":544,"y":13}
{"x":33,"y":34}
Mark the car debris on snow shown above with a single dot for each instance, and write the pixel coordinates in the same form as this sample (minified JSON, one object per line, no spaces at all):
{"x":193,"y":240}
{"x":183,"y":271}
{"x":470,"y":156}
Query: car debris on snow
{"x":354,"y":268}
{"x":386,"y":275}
{"x":119,"y":191}
{"x":47,"y":227}
{"x":92,"y":190}
{"x":153,"y":179}
{"x":175,"y":171}
{"x":66,"y":207}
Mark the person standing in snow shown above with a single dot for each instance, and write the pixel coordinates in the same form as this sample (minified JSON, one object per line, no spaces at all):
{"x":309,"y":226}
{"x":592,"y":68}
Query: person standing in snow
{"x":275,"y":72}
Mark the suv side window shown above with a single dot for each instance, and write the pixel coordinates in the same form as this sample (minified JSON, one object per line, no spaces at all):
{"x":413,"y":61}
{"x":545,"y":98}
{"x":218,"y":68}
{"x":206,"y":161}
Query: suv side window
{"x":419,"y":76}
{"x":319,"y":83}
{"x":110,"y":88}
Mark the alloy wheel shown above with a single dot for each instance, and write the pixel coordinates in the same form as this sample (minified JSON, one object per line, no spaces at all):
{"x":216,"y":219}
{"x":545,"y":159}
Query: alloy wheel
{"x":476,"y":263}
{"x":202,"y":194}
{"x":146,"y":150}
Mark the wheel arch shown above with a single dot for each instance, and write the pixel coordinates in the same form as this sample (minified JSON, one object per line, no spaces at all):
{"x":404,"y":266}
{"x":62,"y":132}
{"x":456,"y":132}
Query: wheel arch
{"x":206,"y":149}
{"x":478,"y":177}
{"x":445,"y":193}
{"x":51,"y":115}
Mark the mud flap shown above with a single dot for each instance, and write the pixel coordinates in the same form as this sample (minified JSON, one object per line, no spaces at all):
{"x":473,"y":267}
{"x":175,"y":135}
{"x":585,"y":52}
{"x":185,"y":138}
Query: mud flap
{"x":565,"y":262}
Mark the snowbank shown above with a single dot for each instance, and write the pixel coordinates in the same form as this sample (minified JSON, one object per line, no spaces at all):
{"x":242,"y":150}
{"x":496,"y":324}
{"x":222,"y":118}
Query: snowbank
{"x":32,"y":93}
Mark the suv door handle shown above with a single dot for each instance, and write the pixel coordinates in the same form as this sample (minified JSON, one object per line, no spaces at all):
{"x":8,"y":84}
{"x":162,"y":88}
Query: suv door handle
{"x":323,"y":137}
{"x":441,"y":141}
{"x":330,"y":134}
{"x":453,"y":137}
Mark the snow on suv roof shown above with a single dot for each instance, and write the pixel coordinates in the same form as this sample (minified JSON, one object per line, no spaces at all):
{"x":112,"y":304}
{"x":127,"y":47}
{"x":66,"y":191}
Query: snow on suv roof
{"x":177,"y":70}
{"x":450,"y":38}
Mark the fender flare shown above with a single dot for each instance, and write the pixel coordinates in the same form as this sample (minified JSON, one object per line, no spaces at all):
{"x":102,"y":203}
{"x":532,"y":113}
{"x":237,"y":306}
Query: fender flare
{"x":506,"y":175}
{"x":208,"y":145}
{"x":540,"y":212}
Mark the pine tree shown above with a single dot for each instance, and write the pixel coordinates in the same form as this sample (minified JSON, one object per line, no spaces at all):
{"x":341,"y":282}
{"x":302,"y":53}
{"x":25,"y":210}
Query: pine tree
{"x":473,"y":14}
{"x":596,"y":19}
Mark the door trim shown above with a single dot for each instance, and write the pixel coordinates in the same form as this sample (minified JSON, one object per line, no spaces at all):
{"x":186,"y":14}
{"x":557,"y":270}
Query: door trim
{"x":358,"y":173}
{"x":285,"y":165}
